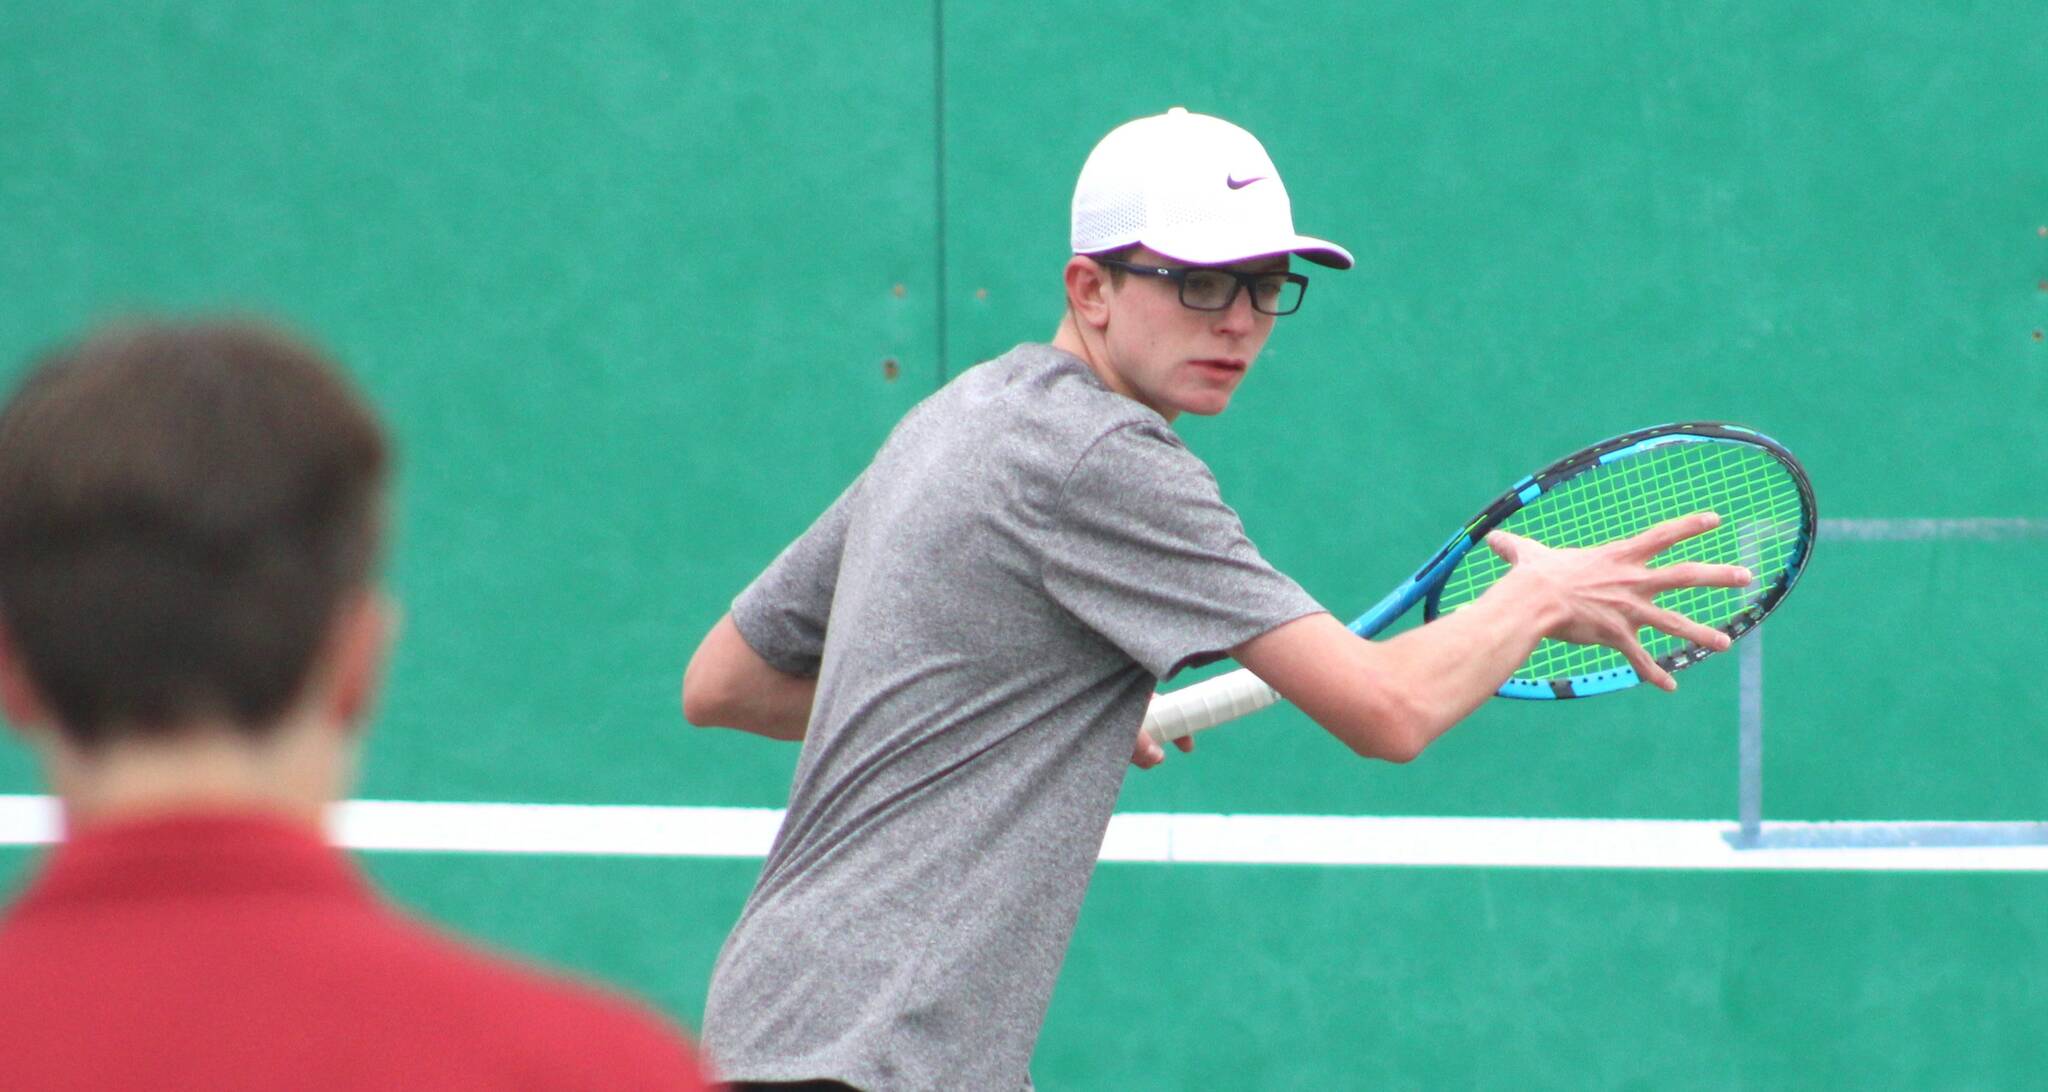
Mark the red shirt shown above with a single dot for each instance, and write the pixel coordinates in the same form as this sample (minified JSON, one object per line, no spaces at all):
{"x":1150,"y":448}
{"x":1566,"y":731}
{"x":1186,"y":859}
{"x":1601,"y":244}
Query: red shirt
{"x":223,"y":952}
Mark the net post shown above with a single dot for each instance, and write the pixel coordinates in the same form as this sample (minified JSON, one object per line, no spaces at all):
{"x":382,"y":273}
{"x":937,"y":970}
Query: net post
{"x":1750,"y":716}
{"x":1750,"y":775}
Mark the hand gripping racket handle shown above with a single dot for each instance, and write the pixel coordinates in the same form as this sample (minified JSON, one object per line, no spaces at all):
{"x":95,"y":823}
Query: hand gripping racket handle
{"x":1206,"y":704}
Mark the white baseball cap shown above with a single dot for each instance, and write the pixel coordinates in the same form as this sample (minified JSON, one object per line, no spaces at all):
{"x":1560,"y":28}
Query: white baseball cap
{"x":1192,"y":187}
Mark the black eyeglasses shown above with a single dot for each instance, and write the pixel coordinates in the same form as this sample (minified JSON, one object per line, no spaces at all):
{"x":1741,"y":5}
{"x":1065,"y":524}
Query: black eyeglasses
{"x":1206,"y":289}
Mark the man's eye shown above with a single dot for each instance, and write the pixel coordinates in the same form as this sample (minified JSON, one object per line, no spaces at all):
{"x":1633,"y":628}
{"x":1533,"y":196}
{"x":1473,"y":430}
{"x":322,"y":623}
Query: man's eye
{"x":1205,"y":285}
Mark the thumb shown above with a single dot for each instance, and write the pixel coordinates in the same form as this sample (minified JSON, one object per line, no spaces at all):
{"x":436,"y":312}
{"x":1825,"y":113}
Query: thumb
{"x":1508,"y":546}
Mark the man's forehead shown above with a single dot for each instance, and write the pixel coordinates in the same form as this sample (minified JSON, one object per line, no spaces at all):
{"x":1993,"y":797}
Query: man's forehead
{"x":1265,"y":264}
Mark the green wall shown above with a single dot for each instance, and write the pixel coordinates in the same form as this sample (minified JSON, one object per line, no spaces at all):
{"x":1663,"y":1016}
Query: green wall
{"x":640,"y":288}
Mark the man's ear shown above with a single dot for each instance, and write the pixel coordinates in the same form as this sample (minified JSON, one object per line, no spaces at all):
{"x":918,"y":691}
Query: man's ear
{"x":360,"y":644}
{"x":20,"y":702}
{"x":1088,"y":291}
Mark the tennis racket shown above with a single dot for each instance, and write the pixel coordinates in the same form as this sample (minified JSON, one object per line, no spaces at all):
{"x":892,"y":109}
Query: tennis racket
{"x":1609,"y":491}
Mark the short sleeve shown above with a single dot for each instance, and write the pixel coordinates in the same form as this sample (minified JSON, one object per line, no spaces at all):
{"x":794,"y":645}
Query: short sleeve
{"x":784,"y":612}
{"x":1141,"y":548}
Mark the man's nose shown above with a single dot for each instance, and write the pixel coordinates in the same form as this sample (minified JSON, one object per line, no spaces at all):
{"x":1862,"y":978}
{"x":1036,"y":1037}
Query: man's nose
{"x":1239,"y":316}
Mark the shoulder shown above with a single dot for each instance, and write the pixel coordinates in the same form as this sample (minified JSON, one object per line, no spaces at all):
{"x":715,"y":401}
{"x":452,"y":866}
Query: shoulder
{"x":1076,"y":418}
{"x":1134,"y":459}
{"x":1037,"y":382}
{"x":406,"y":994}
{"x":551,"y":1020}
{"x":1008,"y":433}
{"x":1067,"y":383}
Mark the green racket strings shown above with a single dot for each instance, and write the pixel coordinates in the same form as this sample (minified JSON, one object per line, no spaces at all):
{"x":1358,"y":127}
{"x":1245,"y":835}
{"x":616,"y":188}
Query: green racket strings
{"x":1758,"y":499}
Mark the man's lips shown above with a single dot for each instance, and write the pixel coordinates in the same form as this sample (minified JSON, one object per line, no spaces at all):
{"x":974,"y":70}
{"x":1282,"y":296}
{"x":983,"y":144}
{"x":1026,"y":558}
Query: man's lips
{"x":1224,"y":365}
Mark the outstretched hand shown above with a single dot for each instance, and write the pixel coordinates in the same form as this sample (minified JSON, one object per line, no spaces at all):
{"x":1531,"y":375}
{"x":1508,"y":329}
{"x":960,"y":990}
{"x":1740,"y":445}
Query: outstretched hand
{"x":1605,"y":594}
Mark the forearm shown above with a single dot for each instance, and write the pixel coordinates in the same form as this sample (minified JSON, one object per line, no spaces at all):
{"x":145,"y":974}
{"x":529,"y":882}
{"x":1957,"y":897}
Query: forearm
{"x":1390,"y":699}
{"x":1436,"y":675}
{"x":780,"y":710}
{"x":728,"y":685}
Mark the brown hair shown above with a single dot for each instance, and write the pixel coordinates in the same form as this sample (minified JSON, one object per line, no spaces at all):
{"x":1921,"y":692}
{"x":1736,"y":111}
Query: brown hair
{"x":1119,"y":254}
{"x":183,"y":510}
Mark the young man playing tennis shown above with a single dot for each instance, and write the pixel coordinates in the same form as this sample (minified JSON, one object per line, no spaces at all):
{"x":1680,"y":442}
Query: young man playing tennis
{"x":191,"y":633}
{"x":967,"y":639}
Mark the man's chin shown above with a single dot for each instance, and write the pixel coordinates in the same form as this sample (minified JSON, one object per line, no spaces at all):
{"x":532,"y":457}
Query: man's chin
{"x":1208,"y":404}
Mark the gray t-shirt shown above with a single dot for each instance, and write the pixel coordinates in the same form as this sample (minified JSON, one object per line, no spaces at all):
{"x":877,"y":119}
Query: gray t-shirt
{"x":987,"y":609}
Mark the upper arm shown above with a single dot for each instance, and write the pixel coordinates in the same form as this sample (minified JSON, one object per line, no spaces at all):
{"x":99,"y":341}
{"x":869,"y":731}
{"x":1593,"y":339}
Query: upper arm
{"x":763,"y":680}
{"x":717,"y":670}
{"x":728,"y":684}
{"x":1141,"y":549}
{"x":1340,"y":680}
{"x":786,"y":610}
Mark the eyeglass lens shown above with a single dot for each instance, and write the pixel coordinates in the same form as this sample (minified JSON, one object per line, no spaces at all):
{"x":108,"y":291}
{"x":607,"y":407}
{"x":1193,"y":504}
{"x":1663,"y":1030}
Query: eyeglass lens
{"x":1213,"y":290}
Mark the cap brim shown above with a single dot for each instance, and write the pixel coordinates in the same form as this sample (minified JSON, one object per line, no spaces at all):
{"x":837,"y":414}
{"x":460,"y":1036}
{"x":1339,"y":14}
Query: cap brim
{"x":1223,"y":251}
{"x":1322,"y":252}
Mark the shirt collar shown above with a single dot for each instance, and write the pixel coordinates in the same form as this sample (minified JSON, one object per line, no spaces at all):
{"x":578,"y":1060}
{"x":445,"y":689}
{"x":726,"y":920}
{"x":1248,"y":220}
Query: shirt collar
{"x":189,"y":854}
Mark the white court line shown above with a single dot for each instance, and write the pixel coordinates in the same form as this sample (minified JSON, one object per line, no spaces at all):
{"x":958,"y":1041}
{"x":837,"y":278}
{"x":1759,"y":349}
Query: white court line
{"x":1427,"y":841}
{"x":1916,"y":530}
{"x":623,"y":830}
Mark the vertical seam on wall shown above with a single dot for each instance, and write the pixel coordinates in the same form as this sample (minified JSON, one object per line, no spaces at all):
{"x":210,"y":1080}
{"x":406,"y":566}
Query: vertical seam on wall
{"x":941,"y":294}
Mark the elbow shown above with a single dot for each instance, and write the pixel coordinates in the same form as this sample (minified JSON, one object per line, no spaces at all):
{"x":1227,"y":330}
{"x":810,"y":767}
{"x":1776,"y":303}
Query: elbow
{"x":696,"y":708}
{"x":1399,"y":748}
{"x":704,"y":705}
{"x":1392,"y":729}
{"x":695,"y":713}
{"x":1388,"y":743}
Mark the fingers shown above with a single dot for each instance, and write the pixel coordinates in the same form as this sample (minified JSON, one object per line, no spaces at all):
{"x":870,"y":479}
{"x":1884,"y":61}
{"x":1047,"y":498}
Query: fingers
{"x":1646,"y":668}
{"x":1147,"y":753}
{"x":1698,"y":574}
{"x":1679,"y":626}
{"x":1513,"y":548}
{"x":1685,"y":629}
{"x":1671,"y":532}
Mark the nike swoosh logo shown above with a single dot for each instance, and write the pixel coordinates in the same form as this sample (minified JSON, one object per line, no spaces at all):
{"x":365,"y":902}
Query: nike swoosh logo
{"x":1235,"y":184}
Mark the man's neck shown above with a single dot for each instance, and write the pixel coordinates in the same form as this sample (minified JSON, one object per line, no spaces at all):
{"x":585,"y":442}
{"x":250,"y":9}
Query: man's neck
{"x":292,"y":775}
{"x":1069,"y":339}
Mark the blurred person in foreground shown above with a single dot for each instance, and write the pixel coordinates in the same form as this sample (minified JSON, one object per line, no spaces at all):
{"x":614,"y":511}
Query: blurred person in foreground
{"x":191,"y":636}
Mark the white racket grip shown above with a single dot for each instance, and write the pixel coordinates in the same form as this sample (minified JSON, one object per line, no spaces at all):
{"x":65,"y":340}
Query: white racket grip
{"x":1206,"y":704}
